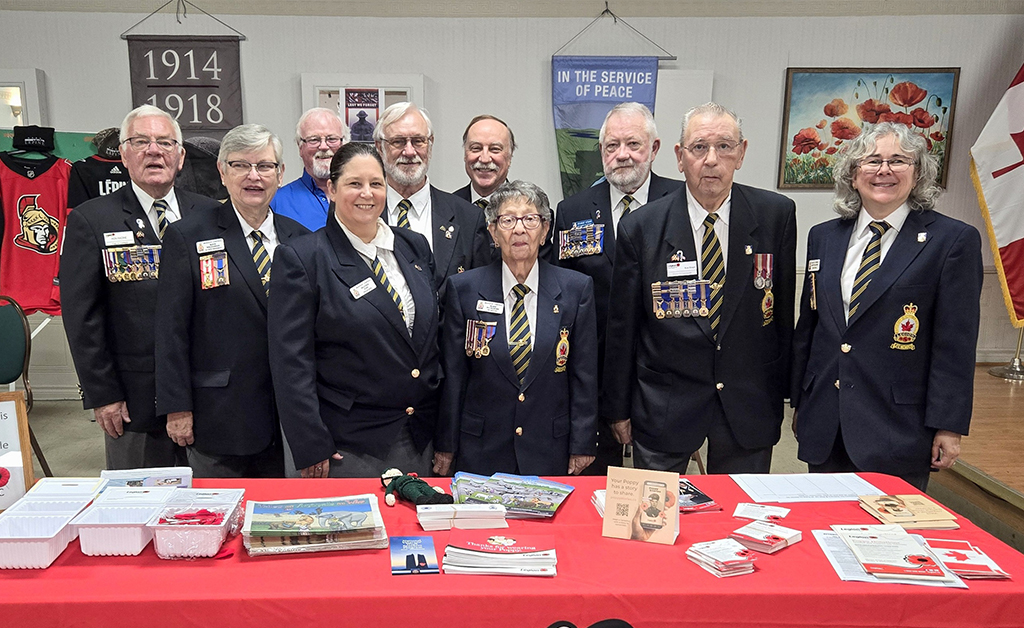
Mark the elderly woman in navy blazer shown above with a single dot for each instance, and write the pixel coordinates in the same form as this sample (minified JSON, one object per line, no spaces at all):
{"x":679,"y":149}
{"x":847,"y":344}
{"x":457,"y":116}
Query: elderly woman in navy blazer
{"x":353,"y":326}
{"x":884,"y":351}
{"x":519,"y":347}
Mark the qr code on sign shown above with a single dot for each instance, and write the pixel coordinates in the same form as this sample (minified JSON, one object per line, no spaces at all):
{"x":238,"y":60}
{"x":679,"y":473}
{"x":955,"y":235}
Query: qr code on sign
{"x":621,"y":510}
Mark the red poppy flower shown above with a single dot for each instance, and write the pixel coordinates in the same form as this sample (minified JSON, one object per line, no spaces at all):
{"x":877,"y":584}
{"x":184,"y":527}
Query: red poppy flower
{"x":821,"y":124}
{"x":805,"y":141}
{"x":836,"y":108}
{"x":938,"y":136}
{"x":897,"y":116}
{"x":929,"y":143}
{"x":839,"y":142}
{"x":831,"y":150}
{"x":922,"y":119}
{"x":845,"y":129}
{"x":871,"y":109}
{"x":5,"y":476}
{"x":907,"y":94}
{"x":822,"y":162}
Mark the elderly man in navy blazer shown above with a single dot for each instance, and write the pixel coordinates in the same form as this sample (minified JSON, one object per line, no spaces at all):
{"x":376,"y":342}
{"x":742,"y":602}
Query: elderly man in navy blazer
{"x":454,"y":228}
{"x":629,"y":143}
{"x":519,"y":353}
{"x":699,"y":331}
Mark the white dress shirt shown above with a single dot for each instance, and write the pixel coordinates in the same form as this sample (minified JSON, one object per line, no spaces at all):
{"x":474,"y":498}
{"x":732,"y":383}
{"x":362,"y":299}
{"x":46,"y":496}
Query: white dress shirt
{"x":171,"y":214}
{"x":618,"y":207}
{"x":419,"y":216}
{"x":270,"y":239}
{"x":859,"y":240}
{"x":382,"y":247}
{"x":697,"y":216}
{"x":508,"y":282}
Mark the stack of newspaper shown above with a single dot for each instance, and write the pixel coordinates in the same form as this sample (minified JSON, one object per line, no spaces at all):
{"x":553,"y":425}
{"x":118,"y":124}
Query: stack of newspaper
{"x":465,"y":516}
{"x":506,"y":553}
{"x":723,"y":558}
{"x":523,"y":496}
{"x":765,"y":537}
{"x":913,"y":512}
{"x":313,"y":525}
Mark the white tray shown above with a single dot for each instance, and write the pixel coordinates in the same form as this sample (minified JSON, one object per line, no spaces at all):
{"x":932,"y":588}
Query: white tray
{"x":115,"y":530}
{"x":33,"y":541}
{"x":135,"y":496}
{"x":191,"y":541}
{"x":48,"y":488}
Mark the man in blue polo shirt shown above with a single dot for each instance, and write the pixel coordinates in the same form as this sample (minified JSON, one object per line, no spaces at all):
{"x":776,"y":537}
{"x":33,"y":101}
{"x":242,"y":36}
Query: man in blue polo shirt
{"x":319,"y":133}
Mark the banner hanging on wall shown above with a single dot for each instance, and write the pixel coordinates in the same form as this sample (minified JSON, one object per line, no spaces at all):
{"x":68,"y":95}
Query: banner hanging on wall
{"x":583,"y":90}
{"x":195,"y":79}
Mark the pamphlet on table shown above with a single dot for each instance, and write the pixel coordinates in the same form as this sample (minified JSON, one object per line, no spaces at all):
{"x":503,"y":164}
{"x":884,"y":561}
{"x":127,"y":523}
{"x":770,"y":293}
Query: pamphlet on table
{"x":641,"y":505}
{"x":413,"y":555}
{"x":506,"y":553}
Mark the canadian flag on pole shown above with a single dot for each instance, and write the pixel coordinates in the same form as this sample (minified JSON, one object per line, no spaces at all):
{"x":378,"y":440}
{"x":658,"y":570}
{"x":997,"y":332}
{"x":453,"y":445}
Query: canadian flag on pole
{"x":997,"y":169}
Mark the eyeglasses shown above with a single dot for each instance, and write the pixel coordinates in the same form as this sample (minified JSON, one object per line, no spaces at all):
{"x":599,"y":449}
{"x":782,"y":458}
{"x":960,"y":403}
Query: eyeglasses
{"x":332,"y":140}
{"x":723,"y":148}
{"x":872,"y":165}
{"x":142,"y":143}
{"x":418,"y":142}
{"x":243,"y":168}
{"x":507,"y":222}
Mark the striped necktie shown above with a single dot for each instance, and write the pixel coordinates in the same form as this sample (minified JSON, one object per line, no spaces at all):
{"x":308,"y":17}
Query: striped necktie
{"x":403,"y":213}
{"x":519,"y":338}
{"x":713,"y":263}
{"x":869,"y":263}
{"x":382,"y":278}
{"x":481,"y":203}
{"x":262,"y":259}
{"x":161,"y":207}
{"x":627,"y":200}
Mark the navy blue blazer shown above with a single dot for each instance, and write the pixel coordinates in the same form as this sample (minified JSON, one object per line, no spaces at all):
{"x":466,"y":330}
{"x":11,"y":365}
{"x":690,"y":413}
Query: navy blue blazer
{"x":594,"y":203}
{"x":347,"y":375}
{"x":490,"y":421}
{"x":886,"y":392}
{"x":211,"y":345}
{"x":669,"y":375}
{"x":464,"y":193}
{"x":110,"y":324}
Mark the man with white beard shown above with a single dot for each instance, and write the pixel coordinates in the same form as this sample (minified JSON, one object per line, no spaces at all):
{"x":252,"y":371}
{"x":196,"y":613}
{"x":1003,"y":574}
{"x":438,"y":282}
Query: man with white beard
{"x":319,"y":134}
{"x":454,"y":228}
{"x":629,"y":143}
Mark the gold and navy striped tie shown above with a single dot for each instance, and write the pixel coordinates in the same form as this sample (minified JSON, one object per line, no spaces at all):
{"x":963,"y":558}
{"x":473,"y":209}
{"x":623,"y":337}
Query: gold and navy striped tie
{"x":713,"y":263}
{"x":519,"y":338}
{"x":403,"y":213}
{"x":869,"y":263}
{"x":481,"y":203}
{"x":382,"y":277}
{"x":161,"y":208}
{"x":627,"y":200}
{"x":262,"y":259}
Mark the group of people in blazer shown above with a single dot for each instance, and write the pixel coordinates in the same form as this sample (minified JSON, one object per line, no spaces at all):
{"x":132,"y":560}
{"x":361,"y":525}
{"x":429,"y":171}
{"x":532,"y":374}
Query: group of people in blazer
{"x":422,"y":331}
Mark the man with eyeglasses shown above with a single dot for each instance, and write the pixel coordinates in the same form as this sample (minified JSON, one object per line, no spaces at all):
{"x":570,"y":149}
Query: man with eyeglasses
{"x":629,"y":143}
{"x":110,"y":264}
{"x":319,"y":133}
{"x":454,"y":228}
{"x":212,"y":356}
{"x":699,"y":332}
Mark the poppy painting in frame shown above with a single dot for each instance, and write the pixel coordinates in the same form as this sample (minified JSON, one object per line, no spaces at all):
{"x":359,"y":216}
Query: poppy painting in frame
{"x":826,"y":107}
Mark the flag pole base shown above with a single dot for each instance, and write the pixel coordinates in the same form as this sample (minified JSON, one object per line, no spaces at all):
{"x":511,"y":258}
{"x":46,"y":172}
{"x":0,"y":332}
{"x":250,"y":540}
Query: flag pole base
{"x":1013,"y":370}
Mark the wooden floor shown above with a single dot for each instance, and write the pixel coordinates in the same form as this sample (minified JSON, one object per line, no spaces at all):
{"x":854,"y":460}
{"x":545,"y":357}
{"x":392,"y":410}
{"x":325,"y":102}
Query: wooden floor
{"x":995,"y":445}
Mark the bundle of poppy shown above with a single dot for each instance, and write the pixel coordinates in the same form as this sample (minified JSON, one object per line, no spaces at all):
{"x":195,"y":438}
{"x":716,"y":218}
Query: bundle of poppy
{"x":201,"y":517}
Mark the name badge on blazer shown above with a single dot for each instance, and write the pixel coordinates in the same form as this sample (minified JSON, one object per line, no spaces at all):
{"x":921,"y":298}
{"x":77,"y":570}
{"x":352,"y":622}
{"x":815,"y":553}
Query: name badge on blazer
{"x":118,"y":238}
{"x":491,"y":307}
{"x":363,"y":288}
{"x":210,"y":246}
{"x":681,"y":269}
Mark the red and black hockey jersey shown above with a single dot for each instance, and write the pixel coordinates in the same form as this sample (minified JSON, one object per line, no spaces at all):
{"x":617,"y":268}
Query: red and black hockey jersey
{"x":93,"y":177}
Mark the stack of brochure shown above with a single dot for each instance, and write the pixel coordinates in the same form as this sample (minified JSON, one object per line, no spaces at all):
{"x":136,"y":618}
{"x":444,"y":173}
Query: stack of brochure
{"x":723,"y":558}
{"x":523,"y":496}
{"x":765,"y":537}
{"x":913,"y":512}
{"x":313,"y":525}
{"x":505,"y":553}
{"x":465,"y":516}
{"x":156,"y":476}
{"x":691,"y":499}
{"x":966,"y":560}
{"x":887,"y":551}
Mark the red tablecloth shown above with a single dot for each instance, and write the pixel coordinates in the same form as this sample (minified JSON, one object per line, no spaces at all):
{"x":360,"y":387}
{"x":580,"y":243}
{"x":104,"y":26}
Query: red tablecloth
{"x":598,"y":578}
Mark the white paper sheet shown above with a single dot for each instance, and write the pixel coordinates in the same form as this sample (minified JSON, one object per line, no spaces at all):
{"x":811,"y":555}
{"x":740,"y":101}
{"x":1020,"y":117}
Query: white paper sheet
{"x":841,"y":557}
{"x":805,"y":487}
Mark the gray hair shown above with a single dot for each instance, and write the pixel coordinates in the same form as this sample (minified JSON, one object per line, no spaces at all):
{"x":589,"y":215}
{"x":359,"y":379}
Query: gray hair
{"x":346,"y":135}
{"x":395,"y":113}
{"x":248,"y":138}
{"x":631,"y":109}
{"x":148,"y":111}
{"x":712,"y":109}
{"x":514,"y":190}
{"x":847,"y":200}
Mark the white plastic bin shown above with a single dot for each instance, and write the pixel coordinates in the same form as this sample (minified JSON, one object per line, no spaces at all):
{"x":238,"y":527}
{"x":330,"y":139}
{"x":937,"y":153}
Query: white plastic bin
{"x":191,"y":541}
{"x":33,"y":541}
{"x":115,"y":530}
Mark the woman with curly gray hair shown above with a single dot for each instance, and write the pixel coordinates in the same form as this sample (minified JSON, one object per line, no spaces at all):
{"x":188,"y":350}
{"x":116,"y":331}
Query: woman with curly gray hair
{"x":884,"y":350}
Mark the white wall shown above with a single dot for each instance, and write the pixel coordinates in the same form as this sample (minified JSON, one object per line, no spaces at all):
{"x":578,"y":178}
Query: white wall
{"x":502,"y":66}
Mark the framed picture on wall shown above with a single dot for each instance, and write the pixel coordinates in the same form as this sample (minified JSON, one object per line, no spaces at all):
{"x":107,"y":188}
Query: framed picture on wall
{"x":826,"y":107}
